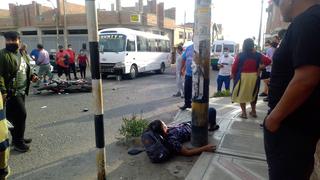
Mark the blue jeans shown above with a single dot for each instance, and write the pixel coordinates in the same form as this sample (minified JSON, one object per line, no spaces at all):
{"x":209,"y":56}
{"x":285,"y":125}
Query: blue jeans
{"x":225,"y":80}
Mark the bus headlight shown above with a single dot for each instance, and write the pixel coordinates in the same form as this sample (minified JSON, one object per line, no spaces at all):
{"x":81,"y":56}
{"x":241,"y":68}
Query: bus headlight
{"x":119,"y":65}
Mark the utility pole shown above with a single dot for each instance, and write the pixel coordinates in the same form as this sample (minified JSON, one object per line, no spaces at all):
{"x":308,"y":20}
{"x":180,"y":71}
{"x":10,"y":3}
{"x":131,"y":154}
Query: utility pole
{"x":92,"y":25}
{"x":65,"y":29}
{"x":260,"y":26}
{"x":201,"y":71}
{"x":56,"y":20}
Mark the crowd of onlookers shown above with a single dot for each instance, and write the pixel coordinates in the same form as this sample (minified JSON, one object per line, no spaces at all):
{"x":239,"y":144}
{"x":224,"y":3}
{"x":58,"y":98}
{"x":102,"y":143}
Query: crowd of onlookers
{"x":66,"y":61}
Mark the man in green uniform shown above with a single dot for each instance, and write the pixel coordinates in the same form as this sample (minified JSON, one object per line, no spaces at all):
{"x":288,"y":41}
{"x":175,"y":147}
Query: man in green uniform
{"x":15,"y":77}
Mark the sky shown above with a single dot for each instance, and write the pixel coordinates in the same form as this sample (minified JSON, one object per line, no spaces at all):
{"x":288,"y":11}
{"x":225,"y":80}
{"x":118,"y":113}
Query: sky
{"x":239,"y":18}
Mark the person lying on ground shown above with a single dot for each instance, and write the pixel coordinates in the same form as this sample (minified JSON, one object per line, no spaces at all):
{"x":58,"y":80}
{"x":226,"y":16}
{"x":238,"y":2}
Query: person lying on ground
{"x":175,"y":136}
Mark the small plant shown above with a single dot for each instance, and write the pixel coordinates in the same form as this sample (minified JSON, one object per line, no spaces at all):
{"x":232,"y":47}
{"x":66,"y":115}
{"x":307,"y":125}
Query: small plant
{"x":225,"y":93}
{"x":133,"y":126}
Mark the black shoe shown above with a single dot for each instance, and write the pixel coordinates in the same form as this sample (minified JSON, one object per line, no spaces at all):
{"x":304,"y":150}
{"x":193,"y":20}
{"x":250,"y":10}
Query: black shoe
{"x":21,"y":147}
{"x":177,"y":95}
{"x":213,"y":128}
{"x":266,"y":99}
{"x":27,"y":140}
{"x":263,"y":94}
{"x":184,"y":107}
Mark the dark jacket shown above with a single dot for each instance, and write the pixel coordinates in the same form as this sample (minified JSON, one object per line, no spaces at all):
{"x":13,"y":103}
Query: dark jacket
{"x":9,"y":68}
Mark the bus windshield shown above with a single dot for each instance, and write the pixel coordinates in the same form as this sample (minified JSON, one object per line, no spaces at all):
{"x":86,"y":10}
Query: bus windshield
{"x":113,"y":42}
{"x":230,"y":47}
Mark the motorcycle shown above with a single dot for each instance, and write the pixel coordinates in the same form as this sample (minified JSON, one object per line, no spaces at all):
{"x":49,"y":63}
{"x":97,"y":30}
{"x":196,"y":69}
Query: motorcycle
{"x":63,"y":86}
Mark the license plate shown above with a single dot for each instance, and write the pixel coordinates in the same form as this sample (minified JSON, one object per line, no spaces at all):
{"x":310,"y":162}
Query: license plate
{"x":109,"y":70}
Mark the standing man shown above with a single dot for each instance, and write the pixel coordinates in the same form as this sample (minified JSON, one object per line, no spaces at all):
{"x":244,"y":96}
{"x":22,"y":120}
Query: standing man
{"x":44,"y":63}
{"x":62,"y":62}
{"x":225,"y":65}
{"x":15,"y":76}
{"x":292,"y":128}
{"x":34,"y":54}
{"x":187,"y":58}
{"x":72,"y":64}
{"x":179,"y":77}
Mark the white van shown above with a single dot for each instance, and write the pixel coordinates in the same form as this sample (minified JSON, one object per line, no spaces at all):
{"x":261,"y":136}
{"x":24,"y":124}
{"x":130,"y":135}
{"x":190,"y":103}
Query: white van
{"x":128,"y":52}
{"x":217,"y":50}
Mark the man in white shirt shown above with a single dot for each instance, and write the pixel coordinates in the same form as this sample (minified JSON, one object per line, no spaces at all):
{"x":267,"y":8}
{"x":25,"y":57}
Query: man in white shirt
{"x":224,"y":64}
{"x":179,"y":77}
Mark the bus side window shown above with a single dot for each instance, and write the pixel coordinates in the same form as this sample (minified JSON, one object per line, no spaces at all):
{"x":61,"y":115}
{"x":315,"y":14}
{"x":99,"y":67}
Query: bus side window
{"x":142,"y":44}
{"x":218,"y":48}
{"x":131,"y":45}
{"x":149,"y":45}
{"x":153,"y":46}
{"x":167,"y":46}
{"x":162,"y":46}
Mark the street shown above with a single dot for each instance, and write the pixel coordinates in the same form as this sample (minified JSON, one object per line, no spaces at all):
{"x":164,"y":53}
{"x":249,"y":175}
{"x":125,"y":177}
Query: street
{"x":63,"y":144}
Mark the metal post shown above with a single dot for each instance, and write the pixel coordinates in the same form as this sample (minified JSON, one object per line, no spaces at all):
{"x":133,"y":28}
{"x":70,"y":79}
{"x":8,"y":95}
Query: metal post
{"x":260,"y":26}
{"x":56,"y":20}
{"x":201,"y":71}
{"x":92,"y":25}
{"x":65,"y":29}
{"x":57,"y":28}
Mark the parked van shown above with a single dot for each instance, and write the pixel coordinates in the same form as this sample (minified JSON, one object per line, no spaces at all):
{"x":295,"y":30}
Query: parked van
{"x":217,"y":50}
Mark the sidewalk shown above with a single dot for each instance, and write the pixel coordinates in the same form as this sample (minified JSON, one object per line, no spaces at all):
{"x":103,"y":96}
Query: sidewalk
{"x":240,"y":152}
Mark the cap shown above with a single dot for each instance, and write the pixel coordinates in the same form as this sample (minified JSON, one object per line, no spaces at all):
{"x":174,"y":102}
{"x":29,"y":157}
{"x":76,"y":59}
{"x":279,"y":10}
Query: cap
{"x":12,"y":35}
{"x":60,"y":47}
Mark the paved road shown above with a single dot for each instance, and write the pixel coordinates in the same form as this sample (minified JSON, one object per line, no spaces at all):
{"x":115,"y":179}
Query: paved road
{"x":63,"y":135}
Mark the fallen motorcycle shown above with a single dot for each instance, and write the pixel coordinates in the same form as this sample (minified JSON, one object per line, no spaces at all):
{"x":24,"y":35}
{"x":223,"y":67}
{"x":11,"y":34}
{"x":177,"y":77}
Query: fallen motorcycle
{"x":63,"y":86}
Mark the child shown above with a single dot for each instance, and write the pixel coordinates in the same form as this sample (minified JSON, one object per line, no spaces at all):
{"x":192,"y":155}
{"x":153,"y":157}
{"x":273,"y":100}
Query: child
{"x":82,"y":61}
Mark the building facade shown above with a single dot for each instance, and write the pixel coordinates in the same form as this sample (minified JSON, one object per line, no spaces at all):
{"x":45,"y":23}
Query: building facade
{"x":274,"y":21}
{"x":182,"y":33}
{"x":46,"y":25}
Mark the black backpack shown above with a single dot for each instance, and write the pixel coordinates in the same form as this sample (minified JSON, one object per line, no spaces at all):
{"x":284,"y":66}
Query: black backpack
{"x":154,"y":147}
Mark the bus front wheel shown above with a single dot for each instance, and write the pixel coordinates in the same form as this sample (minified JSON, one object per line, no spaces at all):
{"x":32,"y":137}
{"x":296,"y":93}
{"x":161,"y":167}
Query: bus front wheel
{"x":133,"y":72}
{"x":162,"y":69}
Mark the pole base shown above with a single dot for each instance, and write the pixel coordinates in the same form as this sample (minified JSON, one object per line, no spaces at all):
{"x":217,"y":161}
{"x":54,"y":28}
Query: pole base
{"x":199,"y":136}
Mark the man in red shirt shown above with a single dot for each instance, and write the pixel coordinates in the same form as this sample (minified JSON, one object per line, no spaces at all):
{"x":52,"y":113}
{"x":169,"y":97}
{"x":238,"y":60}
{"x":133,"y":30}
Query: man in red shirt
{"x":62,"y":62}
{"x":72,"y":65}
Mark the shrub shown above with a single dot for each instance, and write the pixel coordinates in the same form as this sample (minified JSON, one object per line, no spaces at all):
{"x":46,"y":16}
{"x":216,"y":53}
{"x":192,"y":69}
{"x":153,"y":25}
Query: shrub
{"x":224,"y":93}
{"x":133,"y":126}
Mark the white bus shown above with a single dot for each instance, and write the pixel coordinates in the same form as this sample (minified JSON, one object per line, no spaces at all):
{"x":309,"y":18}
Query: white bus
{"x":128,"y":52}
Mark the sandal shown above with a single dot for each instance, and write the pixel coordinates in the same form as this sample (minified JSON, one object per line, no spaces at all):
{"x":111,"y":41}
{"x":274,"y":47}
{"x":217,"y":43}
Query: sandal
{"x":243,"y":116}
{"x":253,"y":114}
